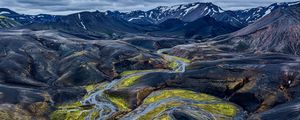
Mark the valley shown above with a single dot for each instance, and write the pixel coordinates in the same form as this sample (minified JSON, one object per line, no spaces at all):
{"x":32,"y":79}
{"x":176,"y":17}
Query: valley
{"x":185,"y":62}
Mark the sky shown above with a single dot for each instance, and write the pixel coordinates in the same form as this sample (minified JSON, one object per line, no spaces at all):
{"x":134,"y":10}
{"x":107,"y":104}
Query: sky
{"x":62,"y":7}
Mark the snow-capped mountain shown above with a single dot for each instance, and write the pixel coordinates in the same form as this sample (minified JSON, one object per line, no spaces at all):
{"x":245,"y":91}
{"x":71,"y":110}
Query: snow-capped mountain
{"x":248,"y":16}
{"x":26,"y":19}
{"x":276,"y":32}
{"x":193,"y":11}
{"x":185,"y":12}
{"x":110,"y":23}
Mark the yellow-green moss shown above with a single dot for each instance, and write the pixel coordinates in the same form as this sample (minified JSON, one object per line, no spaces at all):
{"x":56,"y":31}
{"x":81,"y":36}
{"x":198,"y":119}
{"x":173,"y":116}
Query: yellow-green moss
{"x":119,"y":102}
{"x":186,"y":94}
{"x":214,"y":105}
{"x":151,"y":114}
{"x":75,"y":114}
{"x":90,"y":88}
{"x":225,"y":109}
{"x":127,"y":82}
{"x":163,"y":117}
{"x":173,"y":64}
{"x":2,"y":17}
{"x":173,"y":61}
{"x":94,"y":87}
{"x":70,"y":105}
{"x":80,"y":53}
{"x":130,"y":72}
{"x":95,"y":115}
{"x":76,"y":54}
{"x":181,"y":59}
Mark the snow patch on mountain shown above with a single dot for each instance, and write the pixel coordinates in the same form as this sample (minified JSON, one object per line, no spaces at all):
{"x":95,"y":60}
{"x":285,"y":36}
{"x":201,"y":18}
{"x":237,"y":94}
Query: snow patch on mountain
{"x":79,"y":17}
{"x":293,"y":3}
{"x":188,"y":10}
{"x":4,"y":12}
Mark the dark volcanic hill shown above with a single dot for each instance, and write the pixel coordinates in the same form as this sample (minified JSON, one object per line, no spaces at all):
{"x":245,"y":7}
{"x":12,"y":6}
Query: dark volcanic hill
{"x":89,"y":25}
{"x":256,"y":67}
{"x":204,"y":27}
{"x":276,"y":32}
{"x":193,"y":11}
{"x":57,"y":72}
{"x":26,"y":19}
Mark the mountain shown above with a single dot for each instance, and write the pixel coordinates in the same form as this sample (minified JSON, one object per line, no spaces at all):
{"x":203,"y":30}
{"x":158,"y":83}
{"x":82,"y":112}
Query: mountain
{"x":7,"y":23}
{"x":193,"y":11}
{"x":185,"y":12}
{"x":26,"y":19}
{"x":90,"y":25}
{"x":183,"y":20}
{"x":204,"y":27}
{"x":275,"y":32}
{"x":248,"y":16}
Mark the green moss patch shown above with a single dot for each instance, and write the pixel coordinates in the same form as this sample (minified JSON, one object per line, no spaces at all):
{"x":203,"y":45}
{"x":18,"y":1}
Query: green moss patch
{"x":211,"y":104}
{"x":69,"y":114}
{"x":173,"y":61}
{"x":119,"y":101}
{"x":73,"y":105}
{"x":70,"y":111}
{"x":185,"y":94}
{"x":131,"y":72}
{"x":2,"y":17}
{"x":173,"y":64}
{"x":127,"y":82}
{"x":151,"y":114}
{"x":181,"y":59}
{"x":225,"y":109}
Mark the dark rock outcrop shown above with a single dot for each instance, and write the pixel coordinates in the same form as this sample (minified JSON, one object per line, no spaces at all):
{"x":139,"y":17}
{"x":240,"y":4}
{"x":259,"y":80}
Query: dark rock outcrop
{"x":288,"y":110}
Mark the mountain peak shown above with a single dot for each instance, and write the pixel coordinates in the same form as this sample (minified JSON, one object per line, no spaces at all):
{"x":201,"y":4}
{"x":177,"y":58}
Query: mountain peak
{"x":276,"y":31}
{"x":6,"y":11}
{"x":186,"y":12}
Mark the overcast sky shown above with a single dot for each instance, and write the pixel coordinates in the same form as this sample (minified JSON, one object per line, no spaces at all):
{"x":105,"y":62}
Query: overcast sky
{"x":71,"y":6}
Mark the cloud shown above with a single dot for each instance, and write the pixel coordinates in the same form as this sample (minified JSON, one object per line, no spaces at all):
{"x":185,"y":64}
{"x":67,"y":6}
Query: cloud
{"x":71,"y":6}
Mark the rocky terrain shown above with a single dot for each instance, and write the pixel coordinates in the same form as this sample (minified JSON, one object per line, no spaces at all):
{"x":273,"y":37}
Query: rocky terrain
{"x":213,"y":20}
{"x":6,"y":23}
{"x":69,"y":68}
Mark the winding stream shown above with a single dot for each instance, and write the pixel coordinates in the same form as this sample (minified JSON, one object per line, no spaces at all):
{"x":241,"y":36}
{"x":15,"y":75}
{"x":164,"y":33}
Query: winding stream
{"x":105,"y":107}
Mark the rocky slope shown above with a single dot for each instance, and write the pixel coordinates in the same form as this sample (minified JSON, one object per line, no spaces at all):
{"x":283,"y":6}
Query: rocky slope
{"x":252,"y":73}
{"x":193,"y":11}
{"x":117,"y":24}
{"x":6,"y":23}
{"x":205,"y":27}
{"x":185,"y":12}
{"x":87,"y":25}
{"x":41,"y":68}
{"x":250,"y":67}
{"x":277,"y":32}
{"x":26,"y":19}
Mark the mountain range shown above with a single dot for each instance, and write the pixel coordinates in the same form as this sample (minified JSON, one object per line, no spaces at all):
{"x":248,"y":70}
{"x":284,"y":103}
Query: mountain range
{"x":192,"y":61}
{"x":157,"y":21}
